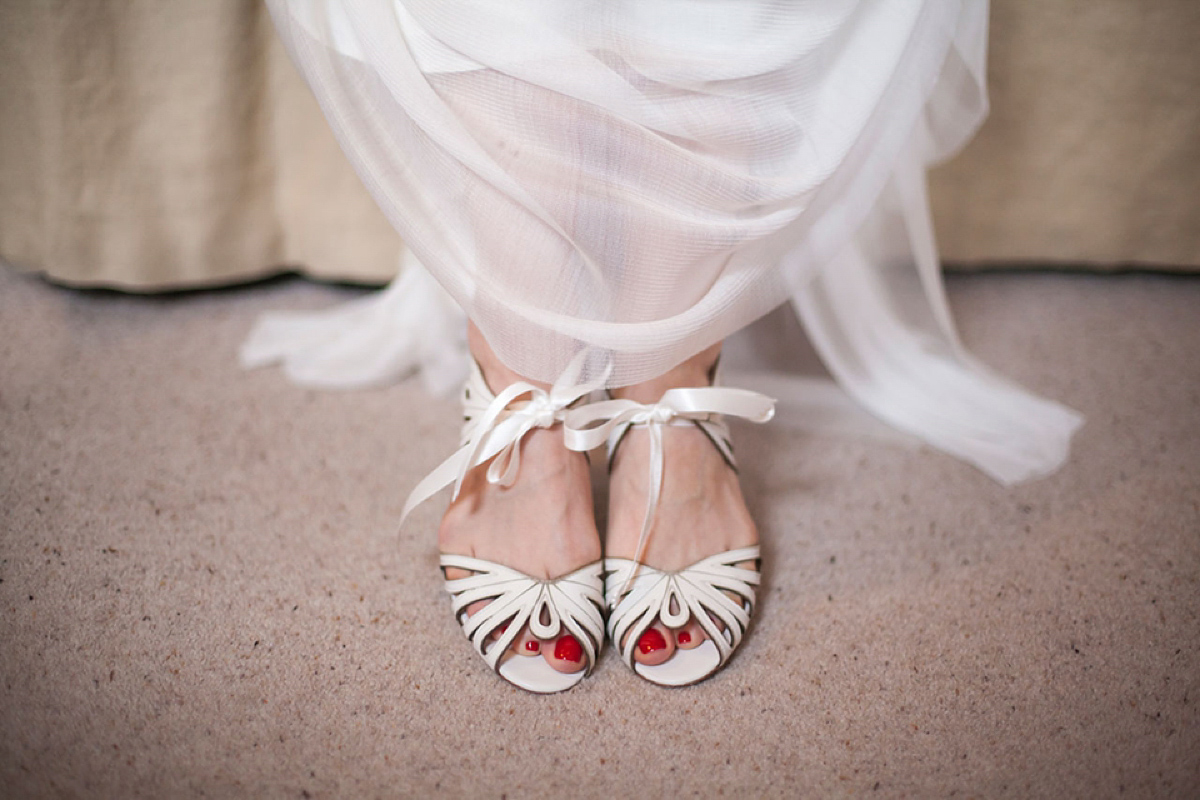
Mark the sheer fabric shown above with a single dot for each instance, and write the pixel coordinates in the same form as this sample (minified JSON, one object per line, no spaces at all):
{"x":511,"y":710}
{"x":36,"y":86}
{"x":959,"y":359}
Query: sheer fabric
{"x":640,"y":179}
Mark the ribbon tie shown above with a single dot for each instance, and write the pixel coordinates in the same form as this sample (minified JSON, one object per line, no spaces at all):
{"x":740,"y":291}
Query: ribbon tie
{"x":590,"y":426}
{"x":497,"y":431}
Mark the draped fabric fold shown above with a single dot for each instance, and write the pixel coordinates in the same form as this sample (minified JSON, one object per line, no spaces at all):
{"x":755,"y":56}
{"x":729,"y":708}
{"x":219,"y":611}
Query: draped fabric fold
{"x":638,"y":180}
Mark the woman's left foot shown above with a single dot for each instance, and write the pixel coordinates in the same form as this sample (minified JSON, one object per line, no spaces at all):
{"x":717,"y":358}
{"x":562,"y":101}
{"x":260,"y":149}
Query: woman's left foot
{"x":701,"y":511}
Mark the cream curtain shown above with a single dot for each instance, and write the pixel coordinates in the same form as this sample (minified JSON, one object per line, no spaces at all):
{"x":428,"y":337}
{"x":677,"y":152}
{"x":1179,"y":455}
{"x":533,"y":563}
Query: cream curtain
{"x":158,"y":145}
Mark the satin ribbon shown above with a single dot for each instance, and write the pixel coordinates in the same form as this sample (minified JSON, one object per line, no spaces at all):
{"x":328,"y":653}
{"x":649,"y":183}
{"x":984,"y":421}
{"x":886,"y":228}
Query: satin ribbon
{"x":498,"y":431}
{"x":590,"y":426}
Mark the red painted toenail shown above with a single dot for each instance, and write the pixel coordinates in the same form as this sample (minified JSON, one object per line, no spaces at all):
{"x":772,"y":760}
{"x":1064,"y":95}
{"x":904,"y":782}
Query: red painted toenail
{"x":651,"y":640}
{"x":533,"y":646}
{"x":684,"y":637}
{"x":568,"y":649}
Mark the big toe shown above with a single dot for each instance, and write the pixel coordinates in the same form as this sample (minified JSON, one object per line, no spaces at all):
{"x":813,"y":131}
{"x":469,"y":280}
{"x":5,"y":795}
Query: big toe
{"x":564,"y":654}
{"x":654,"y":646}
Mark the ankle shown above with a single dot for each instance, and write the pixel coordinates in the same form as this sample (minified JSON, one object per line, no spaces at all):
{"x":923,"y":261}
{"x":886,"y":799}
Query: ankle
{"x":496,"y":373}
{"x":696,"y":371}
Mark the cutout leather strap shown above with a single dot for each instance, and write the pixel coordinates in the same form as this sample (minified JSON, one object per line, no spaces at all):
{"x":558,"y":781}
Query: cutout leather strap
{"x":572,"y":603}
{"x":638,"y":594}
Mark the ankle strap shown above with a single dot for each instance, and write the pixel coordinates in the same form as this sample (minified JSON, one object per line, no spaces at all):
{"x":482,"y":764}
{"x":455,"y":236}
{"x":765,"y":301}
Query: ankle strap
{"x":495,"y":426}
{"x":589,"y":426}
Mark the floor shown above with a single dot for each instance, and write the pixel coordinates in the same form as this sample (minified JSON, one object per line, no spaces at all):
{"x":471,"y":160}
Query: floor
{"x":203,"y":591}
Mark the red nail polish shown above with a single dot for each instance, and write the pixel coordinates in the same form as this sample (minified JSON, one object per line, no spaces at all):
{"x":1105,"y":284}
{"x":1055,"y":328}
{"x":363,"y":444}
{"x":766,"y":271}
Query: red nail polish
{"x":568,"y":649}
{"x":533,"y":645}
{"x":651,"y":640}
{"x":684,"y":637}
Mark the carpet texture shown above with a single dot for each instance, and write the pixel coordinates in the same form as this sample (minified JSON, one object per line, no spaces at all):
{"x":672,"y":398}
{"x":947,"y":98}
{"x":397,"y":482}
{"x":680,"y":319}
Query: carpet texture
{"x":204,"y":594}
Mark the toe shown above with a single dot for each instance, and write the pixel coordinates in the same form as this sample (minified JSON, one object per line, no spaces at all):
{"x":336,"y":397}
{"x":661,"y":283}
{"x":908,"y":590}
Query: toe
{"x":474,"y":609}
{"x":564,"y":654}
{"x":526,"y":644}
{"x":654,"y":646}
{"x":690,"y":635}
{"x":454,"y":574}
{"x":717,"y":620}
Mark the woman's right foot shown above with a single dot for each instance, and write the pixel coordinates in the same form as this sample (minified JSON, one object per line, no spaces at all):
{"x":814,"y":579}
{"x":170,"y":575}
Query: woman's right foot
{"x":542,"y":525}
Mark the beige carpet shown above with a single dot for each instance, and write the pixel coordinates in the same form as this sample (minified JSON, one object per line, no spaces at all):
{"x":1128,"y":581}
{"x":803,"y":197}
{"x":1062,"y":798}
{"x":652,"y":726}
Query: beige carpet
{"x":203,"y":593}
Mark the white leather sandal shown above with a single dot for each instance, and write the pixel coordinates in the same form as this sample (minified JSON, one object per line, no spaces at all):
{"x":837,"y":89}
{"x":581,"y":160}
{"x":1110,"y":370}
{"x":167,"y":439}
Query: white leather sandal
{"x":637,"y":594}
{"x":573,"y":603}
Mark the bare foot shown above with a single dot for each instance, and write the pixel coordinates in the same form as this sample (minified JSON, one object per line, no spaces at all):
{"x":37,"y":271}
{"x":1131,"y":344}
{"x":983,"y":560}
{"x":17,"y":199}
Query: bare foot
{"x":701,"y":510}
{"x":543,"y":524}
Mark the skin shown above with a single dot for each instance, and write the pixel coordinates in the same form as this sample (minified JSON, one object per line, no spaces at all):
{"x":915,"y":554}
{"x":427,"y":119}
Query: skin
{"x":544,"y":523}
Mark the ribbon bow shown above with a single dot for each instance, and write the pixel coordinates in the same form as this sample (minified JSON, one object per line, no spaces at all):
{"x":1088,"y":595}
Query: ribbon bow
{"x":497,"y":433}
{"x":590,"y":426}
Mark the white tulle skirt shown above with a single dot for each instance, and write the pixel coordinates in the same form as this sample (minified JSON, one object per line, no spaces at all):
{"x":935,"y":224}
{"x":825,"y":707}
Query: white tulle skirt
{"x":638,"y":179}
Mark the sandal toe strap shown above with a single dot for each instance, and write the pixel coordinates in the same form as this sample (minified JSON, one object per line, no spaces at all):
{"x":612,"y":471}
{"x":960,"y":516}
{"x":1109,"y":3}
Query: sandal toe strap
{"x":572,"y":604}
{"x":638,"y":595}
